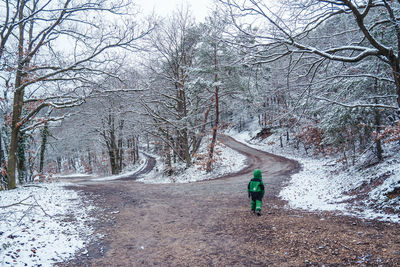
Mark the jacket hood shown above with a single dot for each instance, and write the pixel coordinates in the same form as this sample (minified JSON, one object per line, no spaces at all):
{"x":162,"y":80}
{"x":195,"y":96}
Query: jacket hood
{"x":257,"y":174}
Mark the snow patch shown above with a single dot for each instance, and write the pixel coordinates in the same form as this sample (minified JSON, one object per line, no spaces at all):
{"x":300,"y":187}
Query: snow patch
{"x":230,"y":161}
{"x":323,"y":186}
{"x":49,"y":225}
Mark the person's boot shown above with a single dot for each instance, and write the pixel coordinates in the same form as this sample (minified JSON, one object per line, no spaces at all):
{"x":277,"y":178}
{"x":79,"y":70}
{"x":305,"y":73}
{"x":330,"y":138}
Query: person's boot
{"x":258,"y":213}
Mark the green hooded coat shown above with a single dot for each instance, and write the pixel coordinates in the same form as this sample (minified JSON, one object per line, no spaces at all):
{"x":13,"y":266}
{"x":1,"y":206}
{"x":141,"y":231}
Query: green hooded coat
{"x":255,"y":187}
{"x":255,"y":190}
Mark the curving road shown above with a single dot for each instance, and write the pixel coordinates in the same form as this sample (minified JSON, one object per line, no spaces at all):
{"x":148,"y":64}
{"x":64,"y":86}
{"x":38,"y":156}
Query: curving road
{"x":209,"y":224}
{"x":150,"y":164}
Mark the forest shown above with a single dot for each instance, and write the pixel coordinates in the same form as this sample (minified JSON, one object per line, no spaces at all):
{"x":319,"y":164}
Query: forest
{"x":87,"y":86}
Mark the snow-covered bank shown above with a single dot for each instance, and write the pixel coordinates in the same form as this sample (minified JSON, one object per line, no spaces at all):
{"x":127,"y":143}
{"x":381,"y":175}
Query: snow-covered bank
{"x":323,"y":185}
{"x":228,"y":161}
{"x":128,"y":171}
{"x":50,"y":224}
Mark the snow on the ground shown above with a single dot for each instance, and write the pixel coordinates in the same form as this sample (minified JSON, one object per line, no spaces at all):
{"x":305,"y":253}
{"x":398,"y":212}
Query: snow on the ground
{"x":322,"y":185}
{"x":49,"y":225}
{"x":228,"y":161}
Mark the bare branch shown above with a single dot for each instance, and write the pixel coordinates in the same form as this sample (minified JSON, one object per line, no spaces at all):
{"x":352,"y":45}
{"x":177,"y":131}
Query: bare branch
{"x":357,"y":105}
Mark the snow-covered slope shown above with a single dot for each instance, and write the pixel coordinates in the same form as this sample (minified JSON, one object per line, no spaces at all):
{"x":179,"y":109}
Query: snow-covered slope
{"x":323,"y":184}
{"x":50,"y":224}
{"x":228,"y":161}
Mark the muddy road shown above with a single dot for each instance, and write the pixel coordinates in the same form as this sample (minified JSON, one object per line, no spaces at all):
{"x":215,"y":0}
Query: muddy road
{"x":209,"y":224}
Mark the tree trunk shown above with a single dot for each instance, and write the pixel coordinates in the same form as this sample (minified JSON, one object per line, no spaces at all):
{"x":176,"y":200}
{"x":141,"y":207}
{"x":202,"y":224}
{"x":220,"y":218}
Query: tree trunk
{"x":59,"y":166}
{"x":186,"y":149}
{"x":72,"y":164}
{"x":379,"y":149}
{"x":132,"y":147}
{"x":111,"y":144}
{"x":215,"y":128}
{"x":211,"y":151}
{"x":137,"y":147}
{"x":344,"y":156}
{"x":265,"y":119}
{"x":17,"y":107}
{"x":44,"y":134}
{"x":396,"y":76}
{"x":168,"y":152}
{"x":90,"y":161}
{"x":3,"y":177}
{"x":148,"y":142}
{"x":15,"y":134}
{"x":120,"y":149}
{"x":202,"y":132}
{"x":175,"y":145}
{"x":21,"y":159}
{"x":112,"y":162}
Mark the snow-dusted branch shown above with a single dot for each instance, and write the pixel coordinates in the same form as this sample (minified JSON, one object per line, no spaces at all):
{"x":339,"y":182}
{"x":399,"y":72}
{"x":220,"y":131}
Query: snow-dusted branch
{"x":330,"y":53}
{"x":41,"y":121}
{"x":22,"y":202}
{"x":299,"y":30}
{"x":57,"y":105}
{"x":361,"y":105}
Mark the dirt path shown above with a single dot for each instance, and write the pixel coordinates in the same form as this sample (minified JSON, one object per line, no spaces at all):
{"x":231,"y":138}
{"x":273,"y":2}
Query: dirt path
{"x":150,"y":164}
{"x":209,"y":224}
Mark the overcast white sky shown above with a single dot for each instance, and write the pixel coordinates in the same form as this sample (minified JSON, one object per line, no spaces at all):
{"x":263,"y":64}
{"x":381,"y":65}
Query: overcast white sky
{"x":165,"y":7}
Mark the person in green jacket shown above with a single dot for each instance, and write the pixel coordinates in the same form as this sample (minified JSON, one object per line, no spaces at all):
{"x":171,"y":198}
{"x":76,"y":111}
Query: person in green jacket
{"x":255,"y":190}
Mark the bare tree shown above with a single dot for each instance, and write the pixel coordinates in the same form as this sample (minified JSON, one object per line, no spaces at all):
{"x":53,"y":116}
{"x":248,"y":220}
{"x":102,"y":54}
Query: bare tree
{"x":172,"y":105}
{"x":291,"y":23}
{"x":106,"y":127}
{"x":47,"y":73}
